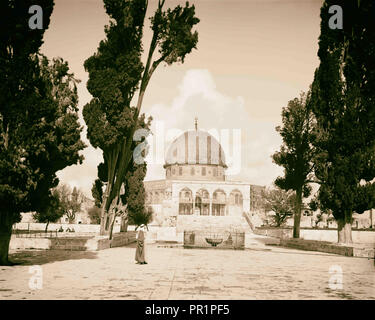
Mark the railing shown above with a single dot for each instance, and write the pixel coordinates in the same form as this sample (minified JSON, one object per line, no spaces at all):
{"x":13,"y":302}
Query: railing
{"x":248,"y":220}
{"x":224,"y":240}
{"x":34,"y":234}
{"x":51,"y":234}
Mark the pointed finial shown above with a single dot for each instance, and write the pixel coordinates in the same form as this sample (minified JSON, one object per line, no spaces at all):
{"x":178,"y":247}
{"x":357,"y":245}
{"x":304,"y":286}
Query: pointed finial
{"x":196,"y":123}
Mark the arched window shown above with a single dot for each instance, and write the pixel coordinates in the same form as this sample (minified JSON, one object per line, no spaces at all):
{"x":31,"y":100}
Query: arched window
{"x":219,"y":202}
{"x":180,"y":171}
{"x":185,"y":202}
{"x":203,"y":171}
{"x":192,"y":171}
{"x":235,"y":198}
{"x":202,"y":202}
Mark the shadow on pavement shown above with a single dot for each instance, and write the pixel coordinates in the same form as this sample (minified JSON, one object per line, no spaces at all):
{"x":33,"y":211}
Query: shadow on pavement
{"x":38,"y":257}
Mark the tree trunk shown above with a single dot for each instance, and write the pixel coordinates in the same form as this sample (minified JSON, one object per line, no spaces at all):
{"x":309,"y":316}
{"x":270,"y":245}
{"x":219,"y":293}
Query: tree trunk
{"x":124,"y":223}
{"x":103,"y":218}
{"x":348,"y":233}
{"x":340,"y":231}
{"x":297,"y":214}
{"x":344,"y":229}
{"x":5,"y":234}
{"x":71,"y":218}
{"x":46,"y":227}
{"x":103,"y":212}
{"x":111,"y":229}
{"x":112,"y":221}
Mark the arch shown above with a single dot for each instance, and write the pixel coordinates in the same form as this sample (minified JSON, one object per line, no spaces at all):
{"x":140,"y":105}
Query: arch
{"x":202,"y":202}
{"x":219,"y":203}
{"x":185,"y":205}
{"x":148,"y":197}
{"x":236,"y":198}
{"x":219,"y":196}
{"x":156,"y":197}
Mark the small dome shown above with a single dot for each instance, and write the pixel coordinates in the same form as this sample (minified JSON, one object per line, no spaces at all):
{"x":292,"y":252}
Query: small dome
{"x":195,"y":147}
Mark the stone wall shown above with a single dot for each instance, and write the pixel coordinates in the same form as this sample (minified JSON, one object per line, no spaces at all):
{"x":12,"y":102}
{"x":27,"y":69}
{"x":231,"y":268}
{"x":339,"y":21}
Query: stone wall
{"x":123,"y":239}
{"x":329,"y":235}
{"x":75,"y":243}
{"x":212,"y":223}
{"x":94,"y":228}
{"x":329,"y":247}
{"x":161,"y":234}
{"x":29,"y":243}
{"x":225,"y":240}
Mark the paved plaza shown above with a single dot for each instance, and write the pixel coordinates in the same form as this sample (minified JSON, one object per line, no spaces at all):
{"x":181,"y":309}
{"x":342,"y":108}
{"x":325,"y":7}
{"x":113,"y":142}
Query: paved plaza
{"x":175,"y":273}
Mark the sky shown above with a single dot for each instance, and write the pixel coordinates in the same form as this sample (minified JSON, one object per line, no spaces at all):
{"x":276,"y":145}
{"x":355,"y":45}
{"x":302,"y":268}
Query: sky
{"x":252,"y":57}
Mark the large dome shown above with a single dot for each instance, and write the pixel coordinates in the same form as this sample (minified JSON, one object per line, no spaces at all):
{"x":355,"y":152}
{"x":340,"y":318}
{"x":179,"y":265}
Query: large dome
{"x":195,"y":147}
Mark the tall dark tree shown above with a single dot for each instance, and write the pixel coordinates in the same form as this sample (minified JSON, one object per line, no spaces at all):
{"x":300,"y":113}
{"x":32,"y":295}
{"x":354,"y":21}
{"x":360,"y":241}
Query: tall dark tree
{"x":39,"y":128}
{"x":132,"y":198}
{"x":116,"y":73}
{"x":296,"y":152}
{"x":343,"y":95}
{"x":135,"y":196}
{"x":97,"y":192}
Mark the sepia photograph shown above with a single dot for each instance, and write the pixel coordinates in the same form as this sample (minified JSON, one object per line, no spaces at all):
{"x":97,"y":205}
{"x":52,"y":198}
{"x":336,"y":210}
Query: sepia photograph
{"x":187,"y":154}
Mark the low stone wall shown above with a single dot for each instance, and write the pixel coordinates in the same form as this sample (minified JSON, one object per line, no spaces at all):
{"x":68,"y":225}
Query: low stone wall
{"x":161,"y":234}
{"x":98,"y":243}
{"x":73,"y":243}
{"x":123,"y":239}
{"x":328,"y":247}
{"x":78,"y":227}
{"x":329,"y":235}
{"x":282,"y":233}
{"x":29,"y":243}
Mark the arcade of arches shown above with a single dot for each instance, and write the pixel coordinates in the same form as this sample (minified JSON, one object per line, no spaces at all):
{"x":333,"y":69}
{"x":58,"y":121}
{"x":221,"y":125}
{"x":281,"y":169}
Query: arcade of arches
{"x":204,"y":204}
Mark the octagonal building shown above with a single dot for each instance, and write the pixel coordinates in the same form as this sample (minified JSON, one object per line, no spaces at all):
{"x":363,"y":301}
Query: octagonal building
{"x":196,"y":194}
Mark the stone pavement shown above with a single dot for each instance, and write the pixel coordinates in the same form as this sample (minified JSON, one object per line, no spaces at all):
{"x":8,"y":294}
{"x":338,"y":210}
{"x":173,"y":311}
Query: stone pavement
{"x":177,"y":273}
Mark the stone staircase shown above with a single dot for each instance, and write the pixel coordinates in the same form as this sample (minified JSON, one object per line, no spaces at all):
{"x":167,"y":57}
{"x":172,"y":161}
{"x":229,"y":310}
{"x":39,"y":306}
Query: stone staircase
{"x":212,"y":224}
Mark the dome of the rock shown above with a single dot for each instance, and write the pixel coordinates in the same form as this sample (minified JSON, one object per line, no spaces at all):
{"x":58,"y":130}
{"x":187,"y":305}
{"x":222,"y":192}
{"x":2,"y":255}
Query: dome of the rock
{"x":196,"y":155}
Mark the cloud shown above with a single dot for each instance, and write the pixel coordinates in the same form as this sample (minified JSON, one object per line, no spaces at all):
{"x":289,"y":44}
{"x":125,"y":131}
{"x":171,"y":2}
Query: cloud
{"x":217,"y":113}
{"x":82,"y":176}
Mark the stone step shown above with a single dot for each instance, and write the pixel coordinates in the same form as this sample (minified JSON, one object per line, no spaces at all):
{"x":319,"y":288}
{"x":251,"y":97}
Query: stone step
{"x":68,"y":247}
